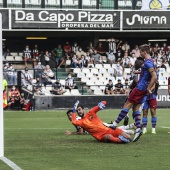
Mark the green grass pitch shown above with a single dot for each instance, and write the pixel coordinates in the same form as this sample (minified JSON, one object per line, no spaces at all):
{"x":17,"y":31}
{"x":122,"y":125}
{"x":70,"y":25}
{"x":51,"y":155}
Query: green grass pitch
{"x":36,"y":141}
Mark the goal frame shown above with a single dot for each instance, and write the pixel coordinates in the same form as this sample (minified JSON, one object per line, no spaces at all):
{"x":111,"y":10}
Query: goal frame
{"x":1,"y":96}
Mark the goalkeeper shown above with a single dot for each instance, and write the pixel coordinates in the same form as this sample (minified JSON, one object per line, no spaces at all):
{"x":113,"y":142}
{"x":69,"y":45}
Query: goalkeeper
{"x":94,"y":126}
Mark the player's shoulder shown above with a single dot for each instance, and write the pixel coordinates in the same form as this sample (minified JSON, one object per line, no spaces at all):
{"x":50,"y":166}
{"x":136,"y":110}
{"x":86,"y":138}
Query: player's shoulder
{"x":150,"y":60}
{"x":149,"y":63}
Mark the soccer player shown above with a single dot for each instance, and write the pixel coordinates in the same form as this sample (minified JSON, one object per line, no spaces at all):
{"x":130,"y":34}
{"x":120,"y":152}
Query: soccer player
{"x":135,"y":71}
{"x":81,"y":131}
{"x":94,"y":126}
{"x":144,"y":86}
{"x":151,"y":103}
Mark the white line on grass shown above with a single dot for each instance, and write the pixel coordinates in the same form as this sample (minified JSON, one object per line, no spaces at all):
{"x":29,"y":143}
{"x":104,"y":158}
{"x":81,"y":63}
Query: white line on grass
{"x":165,"y":127}
{"x":36,"y":128}
{"x":10,"y":163}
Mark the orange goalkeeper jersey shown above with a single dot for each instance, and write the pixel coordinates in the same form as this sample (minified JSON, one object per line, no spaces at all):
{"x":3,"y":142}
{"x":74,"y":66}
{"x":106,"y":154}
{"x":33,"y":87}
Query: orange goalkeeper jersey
{"x":92,"y":124}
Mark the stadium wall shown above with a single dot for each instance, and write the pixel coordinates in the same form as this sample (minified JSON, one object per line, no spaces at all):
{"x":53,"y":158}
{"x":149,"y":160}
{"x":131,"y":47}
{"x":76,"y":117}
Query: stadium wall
{"x":113,"y":102}
{"x":65,"y":102}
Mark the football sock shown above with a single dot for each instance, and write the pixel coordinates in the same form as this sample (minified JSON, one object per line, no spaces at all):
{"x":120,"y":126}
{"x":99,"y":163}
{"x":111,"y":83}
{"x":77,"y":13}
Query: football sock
{"x":154,"y":120}
{"x":145,"y":121}
{"x":122,"y":114}
{"x":137,"y":118}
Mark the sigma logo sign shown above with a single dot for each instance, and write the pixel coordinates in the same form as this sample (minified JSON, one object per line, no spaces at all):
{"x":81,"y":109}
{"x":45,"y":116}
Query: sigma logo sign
{"x":138,"y":19}
{"x":67,"y":19}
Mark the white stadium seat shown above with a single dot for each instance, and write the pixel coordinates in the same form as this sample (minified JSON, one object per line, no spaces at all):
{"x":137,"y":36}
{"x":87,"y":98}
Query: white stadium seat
{"x":76,"y":70}
{"x":53,"y":2}
{"x":84,"y":79}
{"x":127,"y":70}
{"x":93,"y":87}
{"x":68,"y":3}
{"x":102,"y":78}
{"x":113,"y":65}
{"x":10,"y":58}
{"x":102,"y":87}
{"x":16,"y":1}
{"x":93,"y":2}
{"x":67,"y":93}
{"x":94,"y":79}
{"x":111,"y":70}
{"x":86,"y":2}
{"x":161,"y":78}
{"x":90,"y":83}
{"x":167,"y":65}
{"x":168,"y":70}
{"x":62,"y":81}
{"x":128,"y":3}
{"x":94,"y":70}
{"x":161,"y":70}
{"x":102,"y":70}
{"x":18,"y":58}
{"x":121,"y":3}
{"x":99,"y":82}
{"x":20,"y":53}
{"x":75,"y":92}
{"x":106,"y":74}
{"x":85,"y":70}
{"x":27,"y":2}
{"x":98,"y":66}
{"x":98,"y":91}
{"x":68,"y":62}
{"x":80,"y":75}
{"x":35,"y":2}
{"x":89,"y":75}
{"x":107,"y":66}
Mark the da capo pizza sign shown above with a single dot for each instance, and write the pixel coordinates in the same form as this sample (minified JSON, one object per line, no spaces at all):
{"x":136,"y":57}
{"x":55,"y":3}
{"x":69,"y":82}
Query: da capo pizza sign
{"x":56,"y":19}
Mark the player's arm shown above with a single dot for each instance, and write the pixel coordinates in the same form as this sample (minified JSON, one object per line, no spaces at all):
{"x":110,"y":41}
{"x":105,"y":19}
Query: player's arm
{"x":79,"y":132}
{"x":153,"y":79}
{"x":100,"y":106}
{"x":134,"y":83}
{"x":74,"y":120}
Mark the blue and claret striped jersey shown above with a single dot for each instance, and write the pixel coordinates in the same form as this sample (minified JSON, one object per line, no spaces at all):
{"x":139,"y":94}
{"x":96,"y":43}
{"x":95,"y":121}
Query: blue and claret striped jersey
{"x":145,"y":76}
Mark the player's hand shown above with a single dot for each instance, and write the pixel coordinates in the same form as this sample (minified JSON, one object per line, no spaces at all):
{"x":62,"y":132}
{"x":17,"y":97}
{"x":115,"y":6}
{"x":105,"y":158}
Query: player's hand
{"x":149,"y":91}
{"x":67,"y":132}
{"x":75,"y":106}
{"x":101,"y":105}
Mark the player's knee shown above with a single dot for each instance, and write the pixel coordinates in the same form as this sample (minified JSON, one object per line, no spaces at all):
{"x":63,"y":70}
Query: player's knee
{"x":128,"y":105}
{"x":107,"y":138}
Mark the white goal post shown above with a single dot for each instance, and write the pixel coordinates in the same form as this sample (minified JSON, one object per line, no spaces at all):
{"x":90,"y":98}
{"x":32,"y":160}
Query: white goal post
{"x":1,"y":96}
